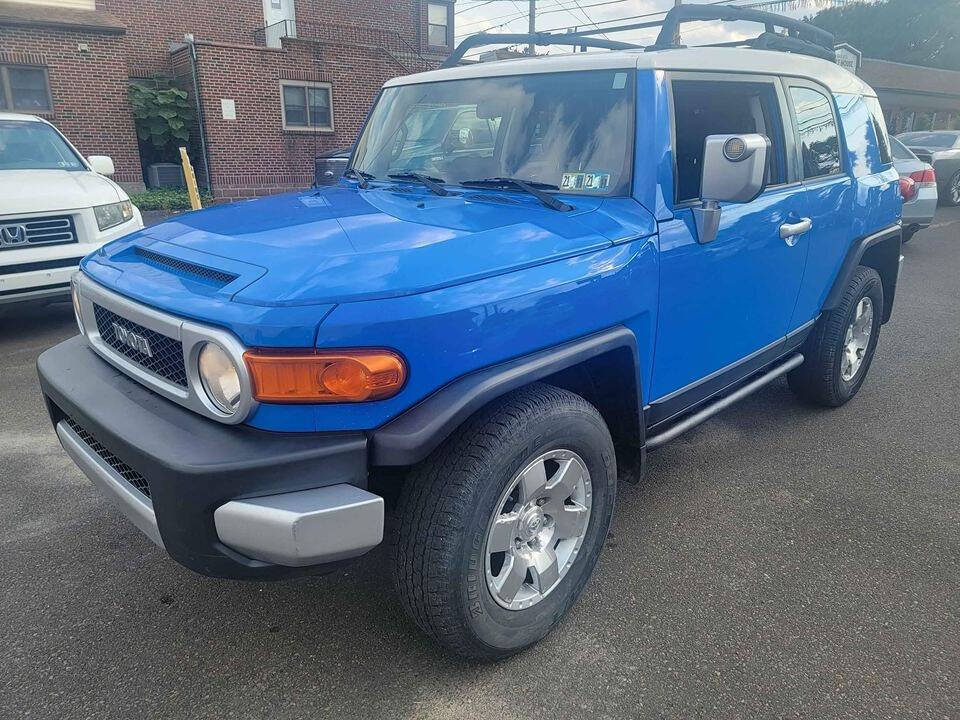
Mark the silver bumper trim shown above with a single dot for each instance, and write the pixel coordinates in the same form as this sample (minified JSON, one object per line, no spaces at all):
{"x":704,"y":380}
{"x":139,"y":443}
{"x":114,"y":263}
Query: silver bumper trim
{"x":137,"y":508}
{"x":306,"y":527}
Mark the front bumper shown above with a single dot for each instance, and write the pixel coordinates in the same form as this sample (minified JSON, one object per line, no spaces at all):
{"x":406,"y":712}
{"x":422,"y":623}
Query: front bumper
{"x":43,"y":272}
{"x":225,"y":501}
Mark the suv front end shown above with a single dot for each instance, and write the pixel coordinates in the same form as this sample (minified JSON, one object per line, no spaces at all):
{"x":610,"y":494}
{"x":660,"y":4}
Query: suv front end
{"x":54,"y":209}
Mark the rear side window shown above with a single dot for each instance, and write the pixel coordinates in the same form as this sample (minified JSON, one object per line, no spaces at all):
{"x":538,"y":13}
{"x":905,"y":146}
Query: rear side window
{"x":880,"y":128}
{"x":818,"y":133}
{"x":703,"y":108}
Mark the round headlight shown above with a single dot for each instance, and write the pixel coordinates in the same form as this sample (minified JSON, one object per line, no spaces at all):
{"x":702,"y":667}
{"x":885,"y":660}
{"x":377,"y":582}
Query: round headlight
{"x":220,"y":378}
{"x":75,"y":297}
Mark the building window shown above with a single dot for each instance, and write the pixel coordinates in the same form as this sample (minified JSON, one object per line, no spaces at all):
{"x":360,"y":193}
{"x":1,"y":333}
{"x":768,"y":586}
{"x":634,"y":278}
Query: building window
{"x":25,"y":89}
{"x":307,"y":106}
{"x":438,"y":23}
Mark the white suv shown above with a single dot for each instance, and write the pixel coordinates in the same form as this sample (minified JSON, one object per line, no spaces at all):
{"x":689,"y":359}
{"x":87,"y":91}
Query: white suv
{"x":55,"y":207}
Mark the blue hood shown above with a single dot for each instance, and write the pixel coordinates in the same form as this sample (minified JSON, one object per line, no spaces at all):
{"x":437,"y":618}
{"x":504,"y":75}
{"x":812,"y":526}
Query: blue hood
{"x":341,"y":244}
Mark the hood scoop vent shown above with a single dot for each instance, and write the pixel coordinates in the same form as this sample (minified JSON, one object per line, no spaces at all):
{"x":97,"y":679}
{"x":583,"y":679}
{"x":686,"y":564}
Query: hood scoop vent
{"x":201,"y":273}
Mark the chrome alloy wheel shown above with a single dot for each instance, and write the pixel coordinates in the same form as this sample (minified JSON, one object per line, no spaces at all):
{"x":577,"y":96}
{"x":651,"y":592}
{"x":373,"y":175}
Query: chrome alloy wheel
{"x":537,"y":529}
{"x":955,"y":189}
{"x":857,"y":339}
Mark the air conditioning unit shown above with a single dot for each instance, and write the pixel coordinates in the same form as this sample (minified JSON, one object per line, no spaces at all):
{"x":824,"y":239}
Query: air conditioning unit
{"x":165,"y":175}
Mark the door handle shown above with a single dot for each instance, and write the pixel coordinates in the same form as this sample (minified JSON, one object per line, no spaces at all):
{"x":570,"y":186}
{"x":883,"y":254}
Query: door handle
{"x":790,"y":230}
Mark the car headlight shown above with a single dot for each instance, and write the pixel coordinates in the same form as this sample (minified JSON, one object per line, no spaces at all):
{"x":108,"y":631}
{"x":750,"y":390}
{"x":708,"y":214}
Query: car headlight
{"x":220,"y":378}
{"x":114,"y":214}
{"x":75,"y":297}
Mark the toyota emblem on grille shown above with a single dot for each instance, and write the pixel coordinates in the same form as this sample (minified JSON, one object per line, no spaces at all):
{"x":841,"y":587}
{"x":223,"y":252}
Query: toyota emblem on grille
{"x":13,"y":234}
{"x":132,"y":339}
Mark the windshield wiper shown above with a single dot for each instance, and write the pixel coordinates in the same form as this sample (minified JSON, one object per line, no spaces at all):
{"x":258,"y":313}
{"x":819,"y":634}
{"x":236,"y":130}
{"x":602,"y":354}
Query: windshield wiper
{"x":433,"y":184}
{"x":363,"y":178}
{"x":529,"y":186}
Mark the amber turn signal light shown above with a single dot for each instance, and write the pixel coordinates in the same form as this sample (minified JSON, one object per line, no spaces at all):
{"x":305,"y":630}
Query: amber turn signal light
{"x":325,"y":376}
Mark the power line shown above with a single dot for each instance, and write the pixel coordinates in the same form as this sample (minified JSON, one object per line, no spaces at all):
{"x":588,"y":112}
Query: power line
{"x":616,"y":21}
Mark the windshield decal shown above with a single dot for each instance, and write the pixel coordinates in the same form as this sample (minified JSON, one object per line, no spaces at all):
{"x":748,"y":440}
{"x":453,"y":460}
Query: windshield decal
{"x":592,"y":182}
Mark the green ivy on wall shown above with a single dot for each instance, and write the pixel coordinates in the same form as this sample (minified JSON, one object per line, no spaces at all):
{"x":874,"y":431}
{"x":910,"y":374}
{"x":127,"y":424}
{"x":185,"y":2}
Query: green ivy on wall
{"x":163,"y":117}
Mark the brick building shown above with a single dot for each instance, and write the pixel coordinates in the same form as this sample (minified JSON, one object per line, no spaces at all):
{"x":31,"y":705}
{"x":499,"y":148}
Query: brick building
{"x":272,"y":82}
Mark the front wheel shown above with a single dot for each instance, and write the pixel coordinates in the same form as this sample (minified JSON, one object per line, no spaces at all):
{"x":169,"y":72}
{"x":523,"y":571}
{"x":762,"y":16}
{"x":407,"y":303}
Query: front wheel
{"x":839,"y":351}
{"x":499,"y":529}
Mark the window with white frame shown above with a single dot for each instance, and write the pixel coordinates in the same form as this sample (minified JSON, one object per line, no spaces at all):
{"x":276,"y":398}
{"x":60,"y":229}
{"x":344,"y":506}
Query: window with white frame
{"x":438,"y":23}
{"x":24,"y":88}
{"x":306,"y":106}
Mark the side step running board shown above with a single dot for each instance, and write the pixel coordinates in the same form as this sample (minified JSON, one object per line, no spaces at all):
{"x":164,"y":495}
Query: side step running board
{"x":724,"y":402}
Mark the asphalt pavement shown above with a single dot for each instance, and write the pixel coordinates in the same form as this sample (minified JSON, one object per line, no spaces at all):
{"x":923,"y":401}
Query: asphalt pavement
{"x":779,"y":561}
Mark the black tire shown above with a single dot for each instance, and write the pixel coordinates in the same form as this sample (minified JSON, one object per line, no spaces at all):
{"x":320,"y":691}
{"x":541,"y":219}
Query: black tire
{"x":819,"y":378}
{"x":438,"y":542}
{"x":947,"y":196}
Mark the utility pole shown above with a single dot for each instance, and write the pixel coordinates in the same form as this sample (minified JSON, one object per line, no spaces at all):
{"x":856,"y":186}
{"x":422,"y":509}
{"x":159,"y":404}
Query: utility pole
{"x":532,"y":48}
{"x":676,"y":33}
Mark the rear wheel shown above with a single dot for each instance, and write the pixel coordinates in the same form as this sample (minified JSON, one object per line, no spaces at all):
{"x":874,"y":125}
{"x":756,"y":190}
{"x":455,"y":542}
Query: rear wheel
{"x":499,"y":529}
{"x":952,"y":196}
{"x":838,"y":353}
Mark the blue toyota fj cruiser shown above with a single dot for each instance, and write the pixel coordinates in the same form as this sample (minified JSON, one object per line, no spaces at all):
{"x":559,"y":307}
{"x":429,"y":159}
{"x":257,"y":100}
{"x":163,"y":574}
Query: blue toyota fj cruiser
{"x":531,"y":270}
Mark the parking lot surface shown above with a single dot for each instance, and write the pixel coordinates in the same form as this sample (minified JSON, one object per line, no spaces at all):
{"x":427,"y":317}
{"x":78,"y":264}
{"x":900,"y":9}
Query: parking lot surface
{"x":778,"y":561}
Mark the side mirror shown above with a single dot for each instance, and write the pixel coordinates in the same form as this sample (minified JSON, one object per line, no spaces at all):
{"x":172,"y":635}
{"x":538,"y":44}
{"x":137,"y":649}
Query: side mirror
{"x":102,"y":164}
{"x":734,"y":170}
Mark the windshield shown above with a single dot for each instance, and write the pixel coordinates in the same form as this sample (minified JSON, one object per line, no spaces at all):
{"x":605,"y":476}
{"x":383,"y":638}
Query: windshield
{"x":28,"y":145}
{"x":931,"y":139}
{"x":570,"y":130}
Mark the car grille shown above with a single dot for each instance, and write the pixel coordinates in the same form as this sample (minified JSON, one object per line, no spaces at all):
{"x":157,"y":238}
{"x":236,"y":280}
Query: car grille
{"x":161,"y":355}
{"x":218,"y":278}
{"x":135,"y":479}
{"x":26,"y":232}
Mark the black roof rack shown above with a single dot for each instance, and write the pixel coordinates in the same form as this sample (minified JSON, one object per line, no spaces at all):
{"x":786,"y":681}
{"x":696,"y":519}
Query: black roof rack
{"x":801,"y":38}
{"x":540,"y":38}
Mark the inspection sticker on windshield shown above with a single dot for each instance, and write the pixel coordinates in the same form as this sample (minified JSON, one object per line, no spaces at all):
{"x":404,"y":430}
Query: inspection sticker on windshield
{"x":595,"y":182}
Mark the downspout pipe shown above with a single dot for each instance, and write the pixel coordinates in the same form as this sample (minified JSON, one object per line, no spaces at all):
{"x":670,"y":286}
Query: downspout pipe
{"x":200,"y":121}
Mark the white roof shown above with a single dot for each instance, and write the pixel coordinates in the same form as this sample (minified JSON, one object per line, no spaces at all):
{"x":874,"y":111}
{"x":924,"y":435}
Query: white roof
{"x":20,"y":116}
{"x":766,"y":62}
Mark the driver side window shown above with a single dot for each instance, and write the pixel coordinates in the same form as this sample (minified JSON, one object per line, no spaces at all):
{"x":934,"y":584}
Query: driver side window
{"x":704,"y":108}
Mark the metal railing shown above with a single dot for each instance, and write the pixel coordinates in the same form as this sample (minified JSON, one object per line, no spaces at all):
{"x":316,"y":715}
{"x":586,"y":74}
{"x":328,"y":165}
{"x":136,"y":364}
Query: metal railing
{"x":389,"y":42}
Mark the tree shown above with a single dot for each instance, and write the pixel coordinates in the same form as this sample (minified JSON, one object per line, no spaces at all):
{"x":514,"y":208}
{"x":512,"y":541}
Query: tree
{"x":918,"y":33}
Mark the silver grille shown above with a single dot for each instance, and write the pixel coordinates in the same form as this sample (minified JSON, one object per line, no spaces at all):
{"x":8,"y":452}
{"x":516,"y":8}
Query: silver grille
{"x":27,"y":232}
{"x":156,"y":352}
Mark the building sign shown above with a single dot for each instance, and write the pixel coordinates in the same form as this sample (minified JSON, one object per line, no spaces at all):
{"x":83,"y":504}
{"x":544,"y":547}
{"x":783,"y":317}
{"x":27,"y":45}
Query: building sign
{"x":848,"y":57}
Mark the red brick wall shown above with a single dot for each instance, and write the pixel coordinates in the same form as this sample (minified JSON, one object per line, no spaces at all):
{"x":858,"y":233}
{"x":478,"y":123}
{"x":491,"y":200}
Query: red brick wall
{"x":89,"y":90}
{"x":153,"y":24}
{"x":254,"y":155}
{"x":400,"y":16}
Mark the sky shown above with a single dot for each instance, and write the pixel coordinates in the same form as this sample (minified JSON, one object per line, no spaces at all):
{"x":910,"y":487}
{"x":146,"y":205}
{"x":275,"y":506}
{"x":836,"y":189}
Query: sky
{"x":473,"y":16}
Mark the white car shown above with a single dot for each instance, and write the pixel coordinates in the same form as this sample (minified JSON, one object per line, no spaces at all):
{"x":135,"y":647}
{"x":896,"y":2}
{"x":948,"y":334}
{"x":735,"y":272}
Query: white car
{"x":55,"y":207}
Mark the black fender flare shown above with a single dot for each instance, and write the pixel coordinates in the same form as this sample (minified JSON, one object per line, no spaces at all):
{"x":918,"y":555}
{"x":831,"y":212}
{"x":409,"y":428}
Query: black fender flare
{"x":414,"y":434}
{"x":887,"y":263}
